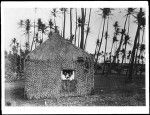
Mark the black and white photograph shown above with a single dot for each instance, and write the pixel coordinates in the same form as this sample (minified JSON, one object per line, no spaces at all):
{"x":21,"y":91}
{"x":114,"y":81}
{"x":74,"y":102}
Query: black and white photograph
{"x":87,"y":54}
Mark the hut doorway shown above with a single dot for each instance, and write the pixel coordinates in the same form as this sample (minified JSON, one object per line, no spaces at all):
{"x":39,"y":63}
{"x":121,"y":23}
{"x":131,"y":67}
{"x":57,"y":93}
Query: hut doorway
{"x":68,"y":82}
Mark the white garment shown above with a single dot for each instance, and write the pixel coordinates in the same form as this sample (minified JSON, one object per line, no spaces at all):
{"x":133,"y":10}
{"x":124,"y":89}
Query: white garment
{"x":63,"y":77}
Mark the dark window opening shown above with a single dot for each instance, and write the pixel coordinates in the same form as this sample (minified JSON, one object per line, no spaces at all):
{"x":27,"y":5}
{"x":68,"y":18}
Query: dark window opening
{"x":80,"y":59}
{"x":68,"y":83}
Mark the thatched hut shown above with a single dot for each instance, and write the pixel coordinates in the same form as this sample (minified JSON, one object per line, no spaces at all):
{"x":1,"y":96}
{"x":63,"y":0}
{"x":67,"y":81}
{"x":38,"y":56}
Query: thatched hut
{"x":58,"y":68}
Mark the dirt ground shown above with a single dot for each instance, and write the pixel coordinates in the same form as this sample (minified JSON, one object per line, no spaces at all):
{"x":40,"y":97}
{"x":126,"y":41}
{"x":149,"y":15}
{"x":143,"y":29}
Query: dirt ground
{"x":109,"y":91}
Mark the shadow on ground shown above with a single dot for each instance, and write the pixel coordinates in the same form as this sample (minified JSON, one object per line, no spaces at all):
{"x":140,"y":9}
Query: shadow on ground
{"x":19,"y":93}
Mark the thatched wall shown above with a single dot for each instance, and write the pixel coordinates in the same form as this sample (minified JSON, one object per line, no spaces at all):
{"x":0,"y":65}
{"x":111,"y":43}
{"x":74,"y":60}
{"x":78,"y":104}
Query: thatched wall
{"x":44,"y":66}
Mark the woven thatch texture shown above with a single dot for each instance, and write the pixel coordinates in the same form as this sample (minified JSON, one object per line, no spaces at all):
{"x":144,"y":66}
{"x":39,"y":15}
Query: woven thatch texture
{"x":43,"y":70}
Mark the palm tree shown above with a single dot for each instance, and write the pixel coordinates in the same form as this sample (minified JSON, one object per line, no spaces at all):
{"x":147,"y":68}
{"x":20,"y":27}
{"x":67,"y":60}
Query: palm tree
{"x":39,"y":24}
{"x":13,"y":44}
{"x":105,"y":13}
{"x":34,"y":29}
{"x":14,"y":41}
{"x":79,"y":26}
{"x":27,"y":26}
{"x":140,"y":20}
{"x":114,"y":40}
{"x":143,"y":28}
{"x":64,"y":10}
{"x":54,"y":12}
{"x":106,"y":36}
{"x":21,"y":23}
{"x":71,"y":38}
{"x":82,"y":28}
{"x":130,"y":11}
{"x":41,"y":27}
{"x":126,"y":41}
{"x":88,"y":29}
{"x":27,"y":30}
{"x":76,"y":27}
{"x":36,"y":39}
{"x":142,"y":48}
{"x":51,"y":24}
{"x":26,"y":46}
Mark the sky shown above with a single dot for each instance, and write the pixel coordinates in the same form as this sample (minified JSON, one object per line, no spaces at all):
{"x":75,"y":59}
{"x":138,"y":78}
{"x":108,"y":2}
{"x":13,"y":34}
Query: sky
{"x":12,"y":12}
{"x":13,"y":15}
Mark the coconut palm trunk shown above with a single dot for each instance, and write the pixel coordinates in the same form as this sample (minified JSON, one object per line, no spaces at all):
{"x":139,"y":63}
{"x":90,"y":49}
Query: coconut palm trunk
{"x":100,"y":41}
{"x":133,"y":54}
{"x":124,"y":56}
{"x":106,"y":36}
{"x":111,"y":50}
{"x":82,"y":28}
{"x":64,"y":23}
{"x":34,"y":29}
{"x":87,"y":32}
{"x":79,"y":38}
{"x":33,"y":36}
{"x":137,"y":49}
{"x":28,"y":40}
{"x":142,"y":42}
{"x":120,"y":44}
{"x":71,"y":37}
{"x":76,"y":29}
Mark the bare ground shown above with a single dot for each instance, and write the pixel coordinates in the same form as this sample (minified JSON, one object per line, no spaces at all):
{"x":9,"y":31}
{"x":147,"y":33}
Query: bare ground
{"x":109,"y":91}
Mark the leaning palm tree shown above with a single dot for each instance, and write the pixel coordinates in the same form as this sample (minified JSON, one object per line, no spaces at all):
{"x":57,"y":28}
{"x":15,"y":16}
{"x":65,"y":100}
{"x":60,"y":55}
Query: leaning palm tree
{"x":88,"y":28}
{"x":105,"y":13}
{"x":142,"y":49}
{"x":114,"y":40}
{"x":140,"y":20}
{"x":130,"y":12}
{"x":126,"y":42}
{"x":106,"y":37}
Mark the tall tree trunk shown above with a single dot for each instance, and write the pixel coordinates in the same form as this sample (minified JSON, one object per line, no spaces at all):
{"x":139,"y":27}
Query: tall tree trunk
{"x":64,"y":24}
{"x":79,"y":38}
{"x":142,"y":42}
{"x":82,"y":29}
{"x":28,"y":41}
{"x":120,"y":44}
{"x":133,"y":55}
{"x":71,"y":37}
{"x":85,"y":14}
{"x":96,"y":48}
{"x":124,"y":56}
{"x":42,"y":37}
{"x":87,"y":32}
{"x":55,"y":21}
{"x":106,"y":40}
{"x":111,"y":51}
{"x":137,"y":49}
{"x":76,"y":29}
{"x":100,"y":41}
{"x":33,"y":36}
{"x":34,"y":28}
